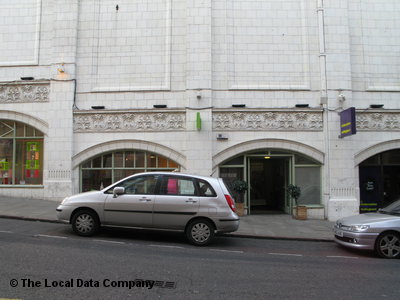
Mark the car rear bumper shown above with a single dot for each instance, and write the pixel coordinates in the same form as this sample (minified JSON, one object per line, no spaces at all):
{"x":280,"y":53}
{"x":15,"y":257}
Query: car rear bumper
{"x":228,"y":225}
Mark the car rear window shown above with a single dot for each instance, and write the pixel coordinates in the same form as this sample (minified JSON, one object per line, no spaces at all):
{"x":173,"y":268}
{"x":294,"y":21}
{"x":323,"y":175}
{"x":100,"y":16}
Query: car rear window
{"x":205,"y":189}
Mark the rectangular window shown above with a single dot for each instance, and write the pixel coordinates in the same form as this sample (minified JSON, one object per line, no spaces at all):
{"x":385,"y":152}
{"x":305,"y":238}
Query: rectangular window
{"x":139,"y":159}
{"x":28,"y":162}
{"x":129,"y":159}
{"x":309,"y":181}
{"x":178,"y":186}
{"x":151,"y":161}
{"x":118,"y":159}
{"x":95,"y":179}
{"x":6,"y":159}
{"x":107,"y":160}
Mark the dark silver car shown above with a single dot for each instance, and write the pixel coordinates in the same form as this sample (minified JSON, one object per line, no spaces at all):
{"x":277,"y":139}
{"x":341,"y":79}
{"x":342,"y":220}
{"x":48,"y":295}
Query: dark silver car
{"x":378,"y":231}
{"x":197,"y":205}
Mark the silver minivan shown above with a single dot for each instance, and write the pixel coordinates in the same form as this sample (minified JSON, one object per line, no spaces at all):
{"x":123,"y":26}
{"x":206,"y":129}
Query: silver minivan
{"x":197,"y":205}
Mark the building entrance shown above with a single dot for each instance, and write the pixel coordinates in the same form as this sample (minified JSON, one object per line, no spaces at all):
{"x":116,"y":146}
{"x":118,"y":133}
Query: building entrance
{"x":268,"y":178}
{"x":268,"y":173}
{"x":379,"y":180}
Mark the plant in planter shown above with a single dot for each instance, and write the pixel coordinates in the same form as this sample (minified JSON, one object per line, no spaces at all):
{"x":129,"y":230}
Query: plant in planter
{"x":240,"y":187}
{"x":294,"y":192}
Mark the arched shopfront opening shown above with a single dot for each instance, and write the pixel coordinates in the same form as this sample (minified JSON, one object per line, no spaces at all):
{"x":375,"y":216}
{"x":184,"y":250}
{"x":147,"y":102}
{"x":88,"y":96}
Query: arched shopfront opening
{"x":21,"y":154}
{"x":268,"y":173}
{"x":107,"y":168}
{"x":379,"y":178}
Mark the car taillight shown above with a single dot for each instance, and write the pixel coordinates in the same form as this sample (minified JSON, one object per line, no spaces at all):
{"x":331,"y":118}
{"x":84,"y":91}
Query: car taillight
{"x":230,"y":202}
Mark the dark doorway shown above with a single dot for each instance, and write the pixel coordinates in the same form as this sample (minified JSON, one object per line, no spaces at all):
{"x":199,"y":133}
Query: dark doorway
{"x":379,"y":180}
{"x":370,"y":188}
{"x":268,"y":178}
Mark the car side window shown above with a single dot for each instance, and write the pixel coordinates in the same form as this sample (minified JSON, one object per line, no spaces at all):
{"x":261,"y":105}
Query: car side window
{"x":143,"y":185}
{"x":205,"y":189}
{"x":172,"y":185}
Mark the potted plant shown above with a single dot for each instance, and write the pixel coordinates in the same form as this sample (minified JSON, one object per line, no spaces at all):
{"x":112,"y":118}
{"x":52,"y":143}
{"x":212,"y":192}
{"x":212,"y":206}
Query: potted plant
{"x":240,"y":187}
{"x":294,"y":192}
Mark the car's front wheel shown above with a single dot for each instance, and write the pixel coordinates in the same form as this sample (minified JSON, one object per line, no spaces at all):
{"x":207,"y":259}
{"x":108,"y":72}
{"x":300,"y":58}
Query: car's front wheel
{"x":85,"y":222}
{"x":388,"y":245}
{"x":200,"y":232}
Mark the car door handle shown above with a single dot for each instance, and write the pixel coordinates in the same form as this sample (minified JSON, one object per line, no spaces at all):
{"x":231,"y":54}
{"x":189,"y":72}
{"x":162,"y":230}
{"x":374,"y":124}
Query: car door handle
{"x":190,"y":200}
{"x":144,"y":200}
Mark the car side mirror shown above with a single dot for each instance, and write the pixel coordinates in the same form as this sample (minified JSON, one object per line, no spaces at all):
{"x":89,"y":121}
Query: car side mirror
{"x":119,"y":190}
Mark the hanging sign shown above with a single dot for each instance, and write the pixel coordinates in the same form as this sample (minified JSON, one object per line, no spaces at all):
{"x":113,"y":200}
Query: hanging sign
{"x":348,"y":122}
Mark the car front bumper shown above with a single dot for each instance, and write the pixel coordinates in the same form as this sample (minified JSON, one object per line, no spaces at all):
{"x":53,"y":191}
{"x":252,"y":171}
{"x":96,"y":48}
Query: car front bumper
{"x":64,"y":213}
{"x":355,"y":240}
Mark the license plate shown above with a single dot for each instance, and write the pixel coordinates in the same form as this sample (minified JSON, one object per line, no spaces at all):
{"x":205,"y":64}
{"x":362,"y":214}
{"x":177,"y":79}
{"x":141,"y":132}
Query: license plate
{"x":338,"y":232}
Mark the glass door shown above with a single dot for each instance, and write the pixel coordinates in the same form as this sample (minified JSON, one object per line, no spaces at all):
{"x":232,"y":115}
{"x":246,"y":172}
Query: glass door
{"x":268,"y":177}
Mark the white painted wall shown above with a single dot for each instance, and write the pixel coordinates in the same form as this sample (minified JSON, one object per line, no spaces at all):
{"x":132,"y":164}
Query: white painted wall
{"x":204,"y":56}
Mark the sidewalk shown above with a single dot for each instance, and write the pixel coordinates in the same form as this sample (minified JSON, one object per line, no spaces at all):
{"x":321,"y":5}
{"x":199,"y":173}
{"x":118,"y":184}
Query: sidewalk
{"x":259,"y":226}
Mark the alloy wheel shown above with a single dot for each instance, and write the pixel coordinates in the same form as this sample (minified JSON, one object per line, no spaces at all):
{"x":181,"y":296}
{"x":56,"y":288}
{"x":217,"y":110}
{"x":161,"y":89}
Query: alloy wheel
{"x":389,"y":245}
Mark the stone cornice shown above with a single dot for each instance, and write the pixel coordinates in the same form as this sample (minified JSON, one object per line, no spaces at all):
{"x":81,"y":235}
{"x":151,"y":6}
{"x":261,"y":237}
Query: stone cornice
{"x":280,"y":120}
{"x":24,"y":92}
{"x":131,"y":121}
{"x":378,"y":120}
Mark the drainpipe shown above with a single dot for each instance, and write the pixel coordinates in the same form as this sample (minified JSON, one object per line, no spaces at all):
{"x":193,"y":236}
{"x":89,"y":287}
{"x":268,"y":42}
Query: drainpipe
{"x":324,"y":103}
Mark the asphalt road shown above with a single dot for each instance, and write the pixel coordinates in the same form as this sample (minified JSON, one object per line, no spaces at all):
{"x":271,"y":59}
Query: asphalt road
{"x":47,"y":261}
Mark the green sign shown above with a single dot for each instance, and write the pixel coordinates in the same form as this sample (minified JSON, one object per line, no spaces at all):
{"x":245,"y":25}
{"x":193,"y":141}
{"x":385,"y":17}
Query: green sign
{"x":4,"y":165}
{"x":198,"y":121}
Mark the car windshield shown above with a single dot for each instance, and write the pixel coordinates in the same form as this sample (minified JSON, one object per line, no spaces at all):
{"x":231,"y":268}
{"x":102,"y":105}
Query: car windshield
{"x":392,"y":209}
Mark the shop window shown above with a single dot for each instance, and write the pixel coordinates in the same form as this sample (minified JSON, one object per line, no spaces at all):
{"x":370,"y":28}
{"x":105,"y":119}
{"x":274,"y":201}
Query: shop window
{"x":309,"y":180}
{"x":140,"y":159}
{"x":21,"y":154}
{"x":107,"y":168}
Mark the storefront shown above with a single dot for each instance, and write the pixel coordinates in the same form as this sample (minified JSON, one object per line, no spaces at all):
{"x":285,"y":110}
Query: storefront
{"x":268,"y":173}
{"x":379,"y":180}
{"x":21,"y":154}
{"x":105,"y":169}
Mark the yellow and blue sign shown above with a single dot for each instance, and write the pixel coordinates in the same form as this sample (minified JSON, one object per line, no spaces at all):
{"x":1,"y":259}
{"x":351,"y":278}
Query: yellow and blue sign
{"x":348,"y":122}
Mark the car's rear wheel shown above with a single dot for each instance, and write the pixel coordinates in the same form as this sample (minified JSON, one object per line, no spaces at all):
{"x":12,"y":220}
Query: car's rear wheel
{"x":388,"y":245}
{"x":200,"y":232}
{"x":85,"y":222}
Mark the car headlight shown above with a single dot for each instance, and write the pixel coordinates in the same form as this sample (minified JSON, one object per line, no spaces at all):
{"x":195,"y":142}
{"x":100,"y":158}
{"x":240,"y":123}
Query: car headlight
{"x":64,"y":201}
{"x":359,"y":228}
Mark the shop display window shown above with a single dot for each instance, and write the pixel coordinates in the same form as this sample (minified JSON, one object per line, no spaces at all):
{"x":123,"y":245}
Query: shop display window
{"x":107,"y":168}
{"x":21,"y":154}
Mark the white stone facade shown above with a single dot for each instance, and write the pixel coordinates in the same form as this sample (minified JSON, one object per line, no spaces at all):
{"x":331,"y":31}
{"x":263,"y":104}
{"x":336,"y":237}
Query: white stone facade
{"x":203,"y":56}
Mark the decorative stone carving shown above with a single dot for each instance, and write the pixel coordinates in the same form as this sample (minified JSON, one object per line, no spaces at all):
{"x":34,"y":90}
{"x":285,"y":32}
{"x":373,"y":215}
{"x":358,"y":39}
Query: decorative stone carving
{"x":22,"y":93}
{"x":132,"y":121}
{"x":378,"y":121}
{"x":268,"y":120}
